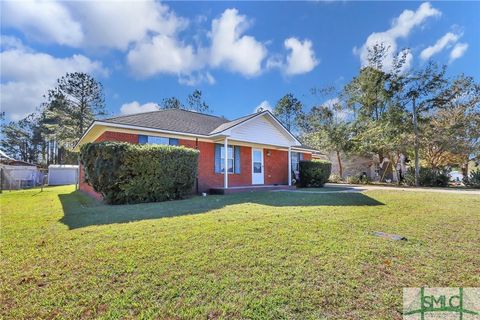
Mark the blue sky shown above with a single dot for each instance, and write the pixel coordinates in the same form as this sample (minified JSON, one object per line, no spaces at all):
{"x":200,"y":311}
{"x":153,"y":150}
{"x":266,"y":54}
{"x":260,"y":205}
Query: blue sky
{"x":239,"y":54}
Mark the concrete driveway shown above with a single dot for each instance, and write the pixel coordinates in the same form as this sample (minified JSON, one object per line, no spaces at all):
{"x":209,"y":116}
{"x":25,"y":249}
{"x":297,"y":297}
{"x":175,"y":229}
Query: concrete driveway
{"x":394,"y":188}
{"x":351,"y":188}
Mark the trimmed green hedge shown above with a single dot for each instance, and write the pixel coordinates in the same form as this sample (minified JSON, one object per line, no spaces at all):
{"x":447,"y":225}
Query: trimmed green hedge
{"x":314,"y":173}
{"x":473,"y":179}
{"x":428,"y":177}
{"x":131,"y":173}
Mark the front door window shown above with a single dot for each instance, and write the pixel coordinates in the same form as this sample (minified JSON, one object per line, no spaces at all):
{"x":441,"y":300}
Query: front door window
{"x":257,"y":166}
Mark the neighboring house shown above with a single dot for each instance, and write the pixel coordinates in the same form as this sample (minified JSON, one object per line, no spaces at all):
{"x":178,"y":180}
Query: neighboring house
{"x":456,"y":176}
{"x":260,"y":150}
{"x":372,"y":167}
{"x":6,"y":159}
{"x":18,"y":174}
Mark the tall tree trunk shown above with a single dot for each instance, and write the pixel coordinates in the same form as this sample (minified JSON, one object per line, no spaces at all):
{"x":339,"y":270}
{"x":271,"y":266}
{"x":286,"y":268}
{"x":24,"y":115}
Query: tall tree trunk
{"x":381,"y":170}
{"x":415,"y":131}
{"x":82,"y":109}
{"x":44,"y":154}
{"x":340,"y":167}
{"x":47,"y":152}
{"x":60,"y":155}
{"x":465,"y":167}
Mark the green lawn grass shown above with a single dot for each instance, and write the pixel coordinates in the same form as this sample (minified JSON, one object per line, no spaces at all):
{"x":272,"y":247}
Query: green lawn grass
{"x":268,"y":255}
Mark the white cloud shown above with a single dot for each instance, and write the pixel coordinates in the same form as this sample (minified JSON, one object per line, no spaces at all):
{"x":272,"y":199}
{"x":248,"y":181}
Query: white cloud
{"x":264,"y":105}
{"x":447,"y":40}
{"x":458,"y":51}
{"x":163,"y":54}
{"x":46,"y":21}
{"x":136,"y":107}
{"x":400,"y":28}
{"x":117,"y":24}
{"x":194,"y":79}
{"x":301,"y":58}
{"x":407,"y":53}
{"x":91,"y":24}
{"x":408,"y":19}
{"x":275,"y":61}
{"x":230,"y":48}
{"x":340,"y":114}
{"x":330,"y":103}
{"x":150,"y":34}
{"x":9,"y":42}
{"x":27,"y":75}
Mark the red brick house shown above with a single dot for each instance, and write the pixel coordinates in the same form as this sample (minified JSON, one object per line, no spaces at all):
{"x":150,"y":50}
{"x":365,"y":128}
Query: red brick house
{"x":260,"y":150}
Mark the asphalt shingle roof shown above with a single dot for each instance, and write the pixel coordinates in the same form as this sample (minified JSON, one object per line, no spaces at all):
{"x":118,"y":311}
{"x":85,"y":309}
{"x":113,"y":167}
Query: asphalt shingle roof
{"x":176,"y":120}
{"x":182,"y":121}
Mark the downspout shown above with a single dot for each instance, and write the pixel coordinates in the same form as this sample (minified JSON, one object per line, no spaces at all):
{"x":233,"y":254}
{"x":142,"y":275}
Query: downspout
{"x":77,"y":183}
{"x":225,"y":164}
{"x":289,"y":166}
{"x":196,"y":180}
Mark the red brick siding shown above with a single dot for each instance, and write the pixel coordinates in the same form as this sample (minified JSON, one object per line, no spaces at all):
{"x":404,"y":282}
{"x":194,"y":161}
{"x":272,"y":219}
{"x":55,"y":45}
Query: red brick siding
{"x":207,"y":178}
{"x":118,"y":136}
{"x":85,"y":187}
{"x":276,"y":165}
{"x":307,"y":156}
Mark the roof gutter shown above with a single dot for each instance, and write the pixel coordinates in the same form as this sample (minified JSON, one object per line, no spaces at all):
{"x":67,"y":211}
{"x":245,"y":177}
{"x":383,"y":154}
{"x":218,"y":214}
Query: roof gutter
{"x":126,"y":126}
{"x":213,"y":136}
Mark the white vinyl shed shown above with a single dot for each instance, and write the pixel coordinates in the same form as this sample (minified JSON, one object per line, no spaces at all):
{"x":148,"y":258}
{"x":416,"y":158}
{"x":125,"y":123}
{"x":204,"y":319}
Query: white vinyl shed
{"x":62,"y":174}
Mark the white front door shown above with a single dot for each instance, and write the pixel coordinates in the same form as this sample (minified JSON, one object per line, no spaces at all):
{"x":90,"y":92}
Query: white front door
{"x":257,"y":166}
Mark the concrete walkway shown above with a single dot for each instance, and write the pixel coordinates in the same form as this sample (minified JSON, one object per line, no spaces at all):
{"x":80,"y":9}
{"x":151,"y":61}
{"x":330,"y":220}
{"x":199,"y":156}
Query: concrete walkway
{"x":350,"y":188}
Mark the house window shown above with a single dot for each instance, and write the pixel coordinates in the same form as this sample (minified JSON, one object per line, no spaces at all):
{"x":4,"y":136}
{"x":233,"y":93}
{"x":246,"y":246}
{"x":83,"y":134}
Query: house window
{"x":233,"y":159}
{"x":230,"y":159}
{"x":158,"y":140}
{"x":142,"y":139}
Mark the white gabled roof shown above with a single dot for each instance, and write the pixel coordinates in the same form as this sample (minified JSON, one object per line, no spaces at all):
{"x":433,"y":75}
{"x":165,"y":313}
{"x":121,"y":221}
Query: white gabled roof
{"x":232,"y":127}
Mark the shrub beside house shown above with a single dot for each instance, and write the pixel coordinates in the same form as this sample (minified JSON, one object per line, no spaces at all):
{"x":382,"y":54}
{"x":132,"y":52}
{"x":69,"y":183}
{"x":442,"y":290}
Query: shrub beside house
{"x":314,"y":173}
{"x":128,"y":173}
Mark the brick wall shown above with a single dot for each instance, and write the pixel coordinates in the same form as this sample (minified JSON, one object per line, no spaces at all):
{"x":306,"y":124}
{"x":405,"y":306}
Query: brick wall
{"x":207,"y":178}
{"x":85,"y":187}
{"x":118,"y":136}
{"x":275,"y":162}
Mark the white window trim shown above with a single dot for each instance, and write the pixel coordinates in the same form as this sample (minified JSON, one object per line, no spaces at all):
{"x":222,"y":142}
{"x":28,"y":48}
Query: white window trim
{"x":222,"y":159}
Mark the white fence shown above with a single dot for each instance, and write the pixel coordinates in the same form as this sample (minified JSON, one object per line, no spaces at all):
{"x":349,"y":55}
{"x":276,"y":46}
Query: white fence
{"x":20,"y":177}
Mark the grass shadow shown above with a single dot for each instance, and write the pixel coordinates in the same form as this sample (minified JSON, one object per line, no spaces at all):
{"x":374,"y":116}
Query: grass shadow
{"x":80,"y":210}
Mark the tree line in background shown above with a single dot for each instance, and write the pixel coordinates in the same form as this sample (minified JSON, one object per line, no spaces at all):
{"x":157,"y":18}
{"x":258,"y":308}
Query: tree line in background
{"x":384,"y":111}
{"x":48,"y":135}
{"x":391,"y":111}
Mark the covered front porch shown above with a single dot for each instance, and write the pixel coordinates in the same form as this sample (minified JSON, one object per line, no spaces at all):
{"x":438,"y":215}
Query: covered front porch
{"x":251,"y":167}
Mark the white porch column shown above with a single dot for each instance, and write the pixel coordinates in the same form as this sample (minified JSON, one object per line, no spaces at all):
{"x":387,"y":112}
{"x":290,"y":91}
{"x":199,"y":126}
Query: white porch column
{"x":289,"y":166}
{"x":225,"y":164}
